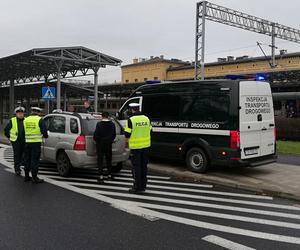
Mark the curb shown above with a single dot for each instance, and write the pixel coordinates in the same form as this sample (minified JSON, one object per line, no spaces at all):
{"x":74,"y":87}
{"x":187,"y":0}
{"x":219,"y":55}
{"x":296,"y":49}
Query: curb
{"x":220,"y":181}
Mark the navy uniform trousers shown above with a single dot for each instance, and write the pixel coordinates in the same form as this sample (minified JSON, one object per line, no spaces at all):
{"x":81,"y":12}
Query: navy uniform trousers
{"x":139,"y":160}
{"x":32,"y":158}
{"x":18,"y":148}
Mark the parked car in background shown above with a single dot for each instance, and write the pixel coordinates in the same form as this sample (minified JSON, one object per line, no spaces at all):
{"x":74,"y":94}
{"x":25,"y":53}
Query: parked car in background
{"x":70,"y":143}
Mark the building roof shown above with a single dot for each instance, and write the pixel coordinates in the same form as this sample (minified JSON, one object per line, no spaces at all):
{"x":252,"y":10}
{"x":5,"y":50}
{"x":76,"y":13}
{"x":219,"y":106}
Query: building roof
{"x":244,"y":60}
{"x":156,"y":60}
{"x":41,"y":63}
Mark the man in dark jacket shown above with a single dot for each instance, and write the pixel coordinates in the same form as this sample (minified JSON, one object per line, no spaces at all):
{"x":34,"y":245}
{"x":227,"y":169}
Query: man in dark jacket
{"x":104,"y":136}
{"x":14,"y":131}
{"x":88,"y":108}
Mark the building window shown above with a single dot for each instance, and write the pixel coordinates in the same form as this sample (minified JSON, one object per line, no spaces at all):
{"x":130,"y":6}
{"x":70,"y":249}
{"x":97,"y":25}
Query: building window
{"x":155,"y":78}
{"x":145,"y":79}
{"x":127,"y":81}
{"x":136,"y":80}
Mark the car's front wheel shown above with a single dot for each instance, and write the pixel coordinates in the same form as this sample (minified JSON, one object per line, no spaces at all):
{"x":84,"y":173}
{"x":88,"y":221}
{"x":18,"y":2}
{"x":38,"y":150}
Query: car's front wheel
{"x":63,"y":164}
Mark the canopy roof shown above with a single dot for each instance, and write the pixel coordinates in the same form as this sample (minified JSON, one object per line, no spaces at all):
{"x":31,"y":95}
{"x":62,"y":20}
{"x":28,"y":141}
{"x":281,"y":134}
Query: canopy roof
{"x":43,"y":63}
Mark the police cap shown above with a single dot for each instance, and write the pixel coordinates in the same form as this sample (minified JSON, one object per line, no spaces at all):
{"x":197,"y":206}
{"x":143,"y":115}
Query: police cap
{"x":134,"y":105}
{"x":36,"y":109}
{"x":19,"y":109}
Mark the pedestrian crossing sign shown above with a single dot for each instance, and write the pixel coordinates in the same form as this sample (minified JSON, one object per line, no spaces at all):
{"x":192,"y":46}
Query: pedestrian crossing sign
{"x":48,"y":93}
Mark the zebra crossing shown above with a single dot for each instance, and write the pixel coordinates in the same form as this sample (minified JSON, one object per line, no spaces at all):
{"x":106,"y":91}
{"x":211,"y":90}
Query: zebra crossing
{"x":194,"y":204}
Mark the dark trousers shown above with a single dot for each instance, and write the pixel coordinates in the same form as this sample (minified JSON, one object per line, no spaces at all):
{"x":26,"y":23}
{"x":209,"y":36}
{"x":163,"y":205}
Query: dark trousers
{"x":18,"y":147}
{"x":139,"y":160}
{"x":104,"y":149}
{"x":32,"y":158}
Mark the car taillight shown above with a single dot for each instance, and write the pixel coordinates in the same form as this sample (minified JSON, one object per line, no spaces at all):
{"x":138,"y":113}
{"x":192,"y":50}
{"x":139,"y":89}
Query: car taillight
{"x":80,"y":143}
{"x":275,"y":134}
{"x":235,"y":139}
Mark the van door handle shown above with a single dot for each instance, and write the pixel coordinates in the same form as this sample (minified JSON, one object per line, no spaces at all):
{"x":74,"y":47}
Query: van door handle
{"x":271,"y":124}
{"x":264,"y":128}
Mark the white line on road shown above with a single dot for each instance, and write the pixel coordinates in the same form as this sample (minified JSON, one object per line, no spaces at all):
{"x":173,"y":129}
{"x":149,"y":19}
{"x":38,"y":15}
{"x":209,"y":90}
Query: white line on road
{"x":172,"y":188}
{"x":197,"y":197}
{"x":45,"y":170}
{"x":200,"y":204}
{"x":166,"y":182}
{"x":218,"y":215}
{"x":225,"y":243}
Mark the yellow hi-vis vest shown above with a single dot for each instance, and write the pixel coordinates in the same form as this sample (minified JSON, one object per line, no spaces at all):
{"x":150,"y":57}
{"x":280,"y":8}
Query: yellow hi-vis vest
{"x":140,"y":132}
{"x":13,"y":133}
{"x":32,"y":129}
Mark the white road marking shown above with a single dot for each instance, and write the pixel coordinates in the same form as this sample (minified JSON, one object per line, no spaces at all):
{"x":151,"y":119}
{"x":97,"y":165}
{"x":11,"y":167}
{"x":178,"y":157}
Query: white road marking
{"x":156,"y":181}
{"x":171,"y":188}
{"x":218,"y":215}
{"x":198,"y":197}
{"x":44,"y":170}
{"x":225,"y":243}
{"x":226,"y":229}
{"x":170,"y":182}
{"x":200,"y":204}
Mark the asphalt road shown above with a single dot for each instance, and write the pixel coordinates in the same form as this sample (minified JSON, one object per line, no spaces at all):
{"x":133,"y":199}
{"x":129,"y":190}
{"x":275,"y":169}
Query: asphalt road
{"x":70,"y":214}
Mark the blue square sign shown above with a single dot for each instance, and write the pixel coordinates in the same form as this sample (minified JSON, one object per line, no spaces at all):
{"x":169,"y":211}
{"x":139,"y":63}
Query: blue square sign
{"x":48,"y":93}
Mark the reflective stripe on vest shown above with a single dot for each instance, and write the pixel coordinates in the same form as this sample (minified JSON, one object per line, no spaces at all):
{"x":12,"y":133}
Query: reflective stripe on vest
{"x":140,"y":132}
{"x":32,"y":129}
{"x":13,"y":134}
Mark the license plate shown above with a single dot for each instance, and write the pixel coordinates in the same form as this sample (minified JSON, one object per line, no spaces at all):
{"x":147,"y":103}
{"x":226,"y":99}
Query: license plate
{"x":252,"y":151}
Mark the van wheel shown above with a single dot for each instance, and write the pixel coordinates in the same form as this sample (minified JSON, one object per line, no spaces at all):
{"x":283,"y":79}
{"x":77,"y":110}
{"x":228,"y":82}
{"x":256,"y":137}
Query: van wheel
{"x":196,"y":160}
{"x":63,"y":164}
{"x":117,"y":168}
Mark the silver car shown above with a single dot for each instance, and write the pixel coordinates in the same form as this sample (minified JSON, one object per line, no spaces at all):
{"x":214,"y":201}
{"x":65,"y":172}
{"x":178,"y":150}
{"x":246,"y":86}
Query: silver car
{"x":70,"y":143}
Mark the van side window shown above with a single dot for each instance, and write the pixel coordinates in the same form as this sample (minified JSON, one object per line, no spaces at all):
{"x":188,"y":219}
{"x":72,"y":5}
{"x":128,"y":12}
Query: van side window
{"x":57,"y":124}
{"x":161,"y":107}
{"x":125,"y":112}
{"x":205,"y":108}
{"x":74,"y":126}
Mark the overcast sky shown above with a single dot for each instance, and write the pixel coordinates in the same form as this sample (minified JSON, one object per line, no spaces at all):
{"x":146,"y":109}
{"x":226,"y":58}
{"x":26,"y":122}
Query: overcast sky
{"x":136,"y":28}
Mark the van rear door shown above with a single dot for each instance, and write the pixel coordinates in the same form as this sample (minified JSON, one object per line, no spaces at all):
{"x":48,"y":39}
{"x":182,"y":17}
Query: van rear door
{"x":256,"y":120}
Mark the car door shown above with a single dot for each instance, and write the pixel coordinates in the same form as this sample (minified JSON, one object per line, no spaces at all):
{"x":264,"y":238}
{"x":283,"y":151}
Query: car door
{"x":56,"y":132}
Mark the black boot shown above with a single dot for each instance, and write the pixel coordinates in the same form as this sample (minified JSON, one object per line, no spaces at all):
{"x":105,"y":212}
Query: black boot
{"x":37,"y":180}
{"x":27,"y":177}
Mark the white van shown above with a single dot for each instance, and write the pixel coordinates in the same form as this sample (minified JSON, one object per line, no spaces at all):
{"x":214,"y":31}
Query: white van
{"x":212,"y":122}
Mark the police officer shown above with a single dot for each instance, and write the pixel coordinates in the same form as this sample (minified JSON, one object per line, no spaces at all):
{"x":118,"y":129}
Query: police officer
{"x":138,"y":132}
{"x":35,"y":130}
{"x":14,"y":131}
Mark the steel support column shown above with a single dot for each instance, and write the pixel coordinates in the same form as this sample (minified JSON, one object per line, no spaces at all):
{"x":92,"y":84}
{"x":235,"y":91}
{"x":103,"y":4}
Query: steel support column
{"x":58,"y":85}
{"x":11,"y":97}
{"x":273,"y":62}
{"x":200,"y":40}
{"x":96,"y":88}
{"x":65,"y":99}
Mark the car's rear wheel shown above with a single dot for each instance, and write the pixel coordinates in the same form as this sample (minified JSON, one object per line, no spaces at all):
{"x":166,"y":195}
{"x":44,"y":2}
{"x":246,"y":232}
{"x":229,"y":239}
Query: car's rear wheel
{"x":63,"y":164}
{"x":118,"y":167}
{"x":196,"y":160}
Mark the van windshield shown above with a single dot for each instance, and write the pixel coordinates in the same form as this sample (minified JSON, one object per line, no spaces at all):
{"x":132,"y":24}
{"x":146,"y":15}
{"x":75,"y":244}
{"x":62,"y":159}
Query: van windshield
{"x":90,"y":126}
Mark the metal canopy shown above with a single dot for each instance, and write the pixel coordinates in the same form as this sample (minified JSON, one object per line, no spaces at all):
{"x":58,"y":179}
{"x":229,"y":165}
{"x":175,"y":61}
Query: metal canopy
{"x":42,"y":63}
{"x":45,"y":64}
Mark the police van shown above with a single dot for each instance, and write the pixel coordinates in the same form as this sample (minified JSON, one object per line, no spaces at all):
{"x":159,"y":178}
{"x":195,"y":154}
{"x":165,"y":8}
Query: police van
{"x":207,"y":123}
